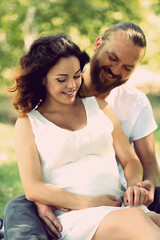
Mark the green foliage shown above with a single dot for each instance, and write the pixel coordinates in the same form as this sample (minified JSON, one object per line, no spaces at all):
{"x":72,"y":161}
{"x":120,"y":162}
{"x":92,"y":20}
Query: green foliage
{"x":155,"y":100}
{"x":24,"y":20}
{"x":156,"y":6}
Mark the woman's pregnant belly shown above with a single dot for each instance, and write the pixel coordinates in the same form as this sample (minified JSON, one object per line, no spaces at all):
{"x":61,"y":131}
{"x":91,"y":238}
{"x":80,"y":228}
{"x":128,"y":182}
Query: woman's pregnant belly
{"x":92,"y":175}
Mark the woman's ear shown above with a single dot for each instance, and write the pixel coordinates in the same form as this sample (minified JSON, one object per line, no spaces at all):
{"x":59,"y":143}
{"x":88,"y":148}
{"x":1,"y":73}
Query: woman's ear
{"x":97,"y":43}
{"x":44,"y":81}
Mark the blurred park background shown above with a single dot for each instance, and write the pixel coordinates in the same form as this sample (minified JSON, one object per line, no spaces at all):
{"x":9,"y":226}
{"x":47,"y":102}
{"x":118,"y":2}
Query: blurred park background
{"x":22,"y":21}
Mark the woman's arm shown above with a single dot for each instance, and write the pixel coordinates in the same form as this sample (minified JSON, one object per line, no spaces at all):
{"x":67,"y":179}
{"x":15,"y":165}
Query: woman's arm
{"x":133,"y":170}
{"x":132,"y":167}
{"x":31,"y":175}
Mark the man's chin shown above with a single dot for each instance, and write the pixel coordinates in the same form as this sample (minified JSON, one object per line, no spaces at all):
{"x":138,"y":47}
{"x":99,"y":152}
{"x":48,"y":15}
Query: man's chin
{"x":102,"y":88}
{"x":107,"y":83}
{"x":104,"y":85}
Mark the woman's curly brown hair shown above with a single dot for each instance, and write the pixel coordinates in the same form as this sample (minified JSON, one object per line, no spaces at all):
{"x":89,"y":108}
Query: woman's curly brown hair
{"x":44,"y":53}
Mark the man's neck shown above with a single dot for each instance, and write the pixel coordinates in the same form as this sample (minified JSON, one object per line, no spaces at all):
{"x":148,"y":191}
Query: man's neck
{"x":90,"y":90}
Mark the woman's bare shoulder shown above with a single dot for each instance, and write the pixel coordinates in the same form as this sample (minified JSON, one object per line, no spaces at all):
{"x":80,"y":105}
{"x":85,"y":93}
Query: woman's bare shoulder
{"x":22,"y":122}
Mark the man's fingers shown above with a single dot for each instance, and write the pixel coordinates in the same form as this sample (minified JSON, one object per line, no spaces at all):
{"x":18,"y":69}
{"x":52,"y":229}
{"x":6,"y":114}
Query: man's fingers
{"x":146,"y":200}
{"x":51,"y":234}
{"x":146,"y":184}
{"x":53,"y":227}
{"x":53,"y":221}
{"x":142,"y":198}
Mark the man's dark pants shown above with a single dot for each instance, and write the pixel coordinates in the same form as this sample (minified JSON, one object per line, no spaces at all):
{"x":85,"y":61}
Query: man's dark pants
{"x":22,"y":221}
{"x":155,"y":206}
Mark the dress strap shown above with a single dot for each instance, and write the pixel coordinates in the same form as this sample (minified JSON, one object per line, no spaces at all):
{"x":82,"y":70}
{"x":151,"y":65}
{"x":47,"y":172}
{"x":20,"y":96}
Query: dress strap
{"x":91,"y":105}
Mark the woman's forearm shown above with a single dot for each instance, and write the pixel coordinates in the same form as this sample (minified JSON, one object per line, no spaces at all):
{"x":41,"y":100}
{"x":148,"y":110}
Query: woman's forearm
{"x":51,"y":195}
{"x":133,"y":172}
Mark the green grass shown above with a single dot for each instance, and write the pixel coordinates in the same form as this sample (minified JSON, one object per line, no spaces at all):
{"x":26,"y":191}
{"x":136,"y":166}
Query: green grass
{"x":155,"y":102}
{"x":10,"y":184}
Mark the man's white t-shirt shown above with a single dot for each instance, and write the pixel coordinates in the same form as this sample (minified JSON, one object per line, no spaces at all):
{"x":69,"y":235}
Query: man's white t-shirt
{"x":134,"y":112}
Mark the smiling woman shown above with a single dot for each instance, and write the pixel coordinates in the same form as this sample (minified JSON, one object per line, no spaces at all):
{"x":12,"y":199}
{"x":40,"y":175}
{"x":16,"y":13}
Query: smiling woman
{"x":63,"y":83}
{"x":34,"y":67}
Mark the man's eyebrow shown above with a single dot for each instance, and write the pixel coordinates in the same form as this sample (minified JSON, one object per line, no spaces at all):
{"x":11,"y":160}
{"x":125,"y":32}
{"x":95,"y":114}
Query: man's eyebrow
{"x":131,"y":66}
{"x":113,"y":54}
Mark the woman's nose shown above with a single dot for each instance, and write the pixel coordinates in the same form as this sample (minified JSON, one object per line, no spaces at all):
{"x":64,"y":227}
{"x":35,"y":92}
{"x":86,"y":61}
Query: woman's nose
{"x":71,"y":83}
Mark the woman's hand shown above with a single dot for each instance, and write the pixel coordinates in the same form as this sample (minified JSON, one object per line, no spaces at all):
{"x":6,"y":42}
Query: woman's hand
{"x":135,"y":196}
{"x":148,"y":185}
{"x":105,"y":200}
{"x":53,"y":226}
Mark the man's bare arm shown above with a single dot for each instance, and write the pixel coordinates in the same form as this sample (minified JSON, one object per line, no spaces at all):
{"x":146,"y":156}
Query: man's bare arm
{"x":145,"y":149}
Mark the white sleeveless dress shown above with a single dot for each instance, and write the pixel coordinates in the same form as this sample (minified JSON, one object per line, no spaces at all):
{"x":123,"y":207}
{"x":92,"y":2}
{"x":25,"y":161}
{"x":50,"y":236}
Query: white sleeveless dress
{"x":82,"y":162}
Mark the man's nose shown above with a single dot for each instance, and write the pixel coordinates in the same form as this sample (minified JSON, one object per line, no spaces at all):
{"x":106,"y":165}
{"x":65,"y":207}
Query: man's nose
{"x":116,"y":69}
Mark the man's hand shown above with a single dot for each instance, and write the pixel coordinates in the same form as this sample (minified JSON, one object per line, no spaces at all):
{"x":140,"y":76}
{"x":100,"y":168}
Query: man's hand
{"x":146,"y":184}
{"x":52,"y":225}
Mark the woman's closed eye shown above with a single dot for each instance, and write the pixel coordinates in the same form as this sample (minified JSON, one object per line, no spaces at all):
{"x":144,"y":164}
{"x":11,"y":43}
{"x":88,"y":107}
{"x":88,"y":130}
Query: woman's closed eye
{"x":63,"y":77}
{"x":61,"y":80}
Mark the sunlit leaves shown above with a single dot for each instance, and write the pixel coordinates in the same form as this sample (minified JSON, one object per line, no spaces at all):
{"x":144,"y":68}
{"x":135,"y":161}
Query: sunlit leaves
{"x":21,"y":21}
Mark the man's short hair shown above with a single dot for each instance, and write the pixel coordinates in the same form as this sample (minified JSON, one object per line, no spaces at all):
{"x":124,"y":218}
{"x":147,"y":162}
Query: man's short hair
{"x":133,"y":31}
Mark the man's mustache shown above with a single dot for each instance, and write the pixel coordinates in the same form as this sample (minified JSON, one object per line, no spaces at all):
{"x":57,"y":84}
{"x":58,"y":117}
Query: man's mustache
{"x":118,"y":77}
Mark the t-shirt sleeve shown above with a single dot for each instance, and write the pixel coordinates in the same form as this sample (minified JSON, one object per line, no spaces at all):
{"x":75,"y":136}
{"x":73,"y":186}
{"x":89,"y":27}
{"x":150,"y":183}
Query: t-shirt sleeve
{"x":144,"y":122}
